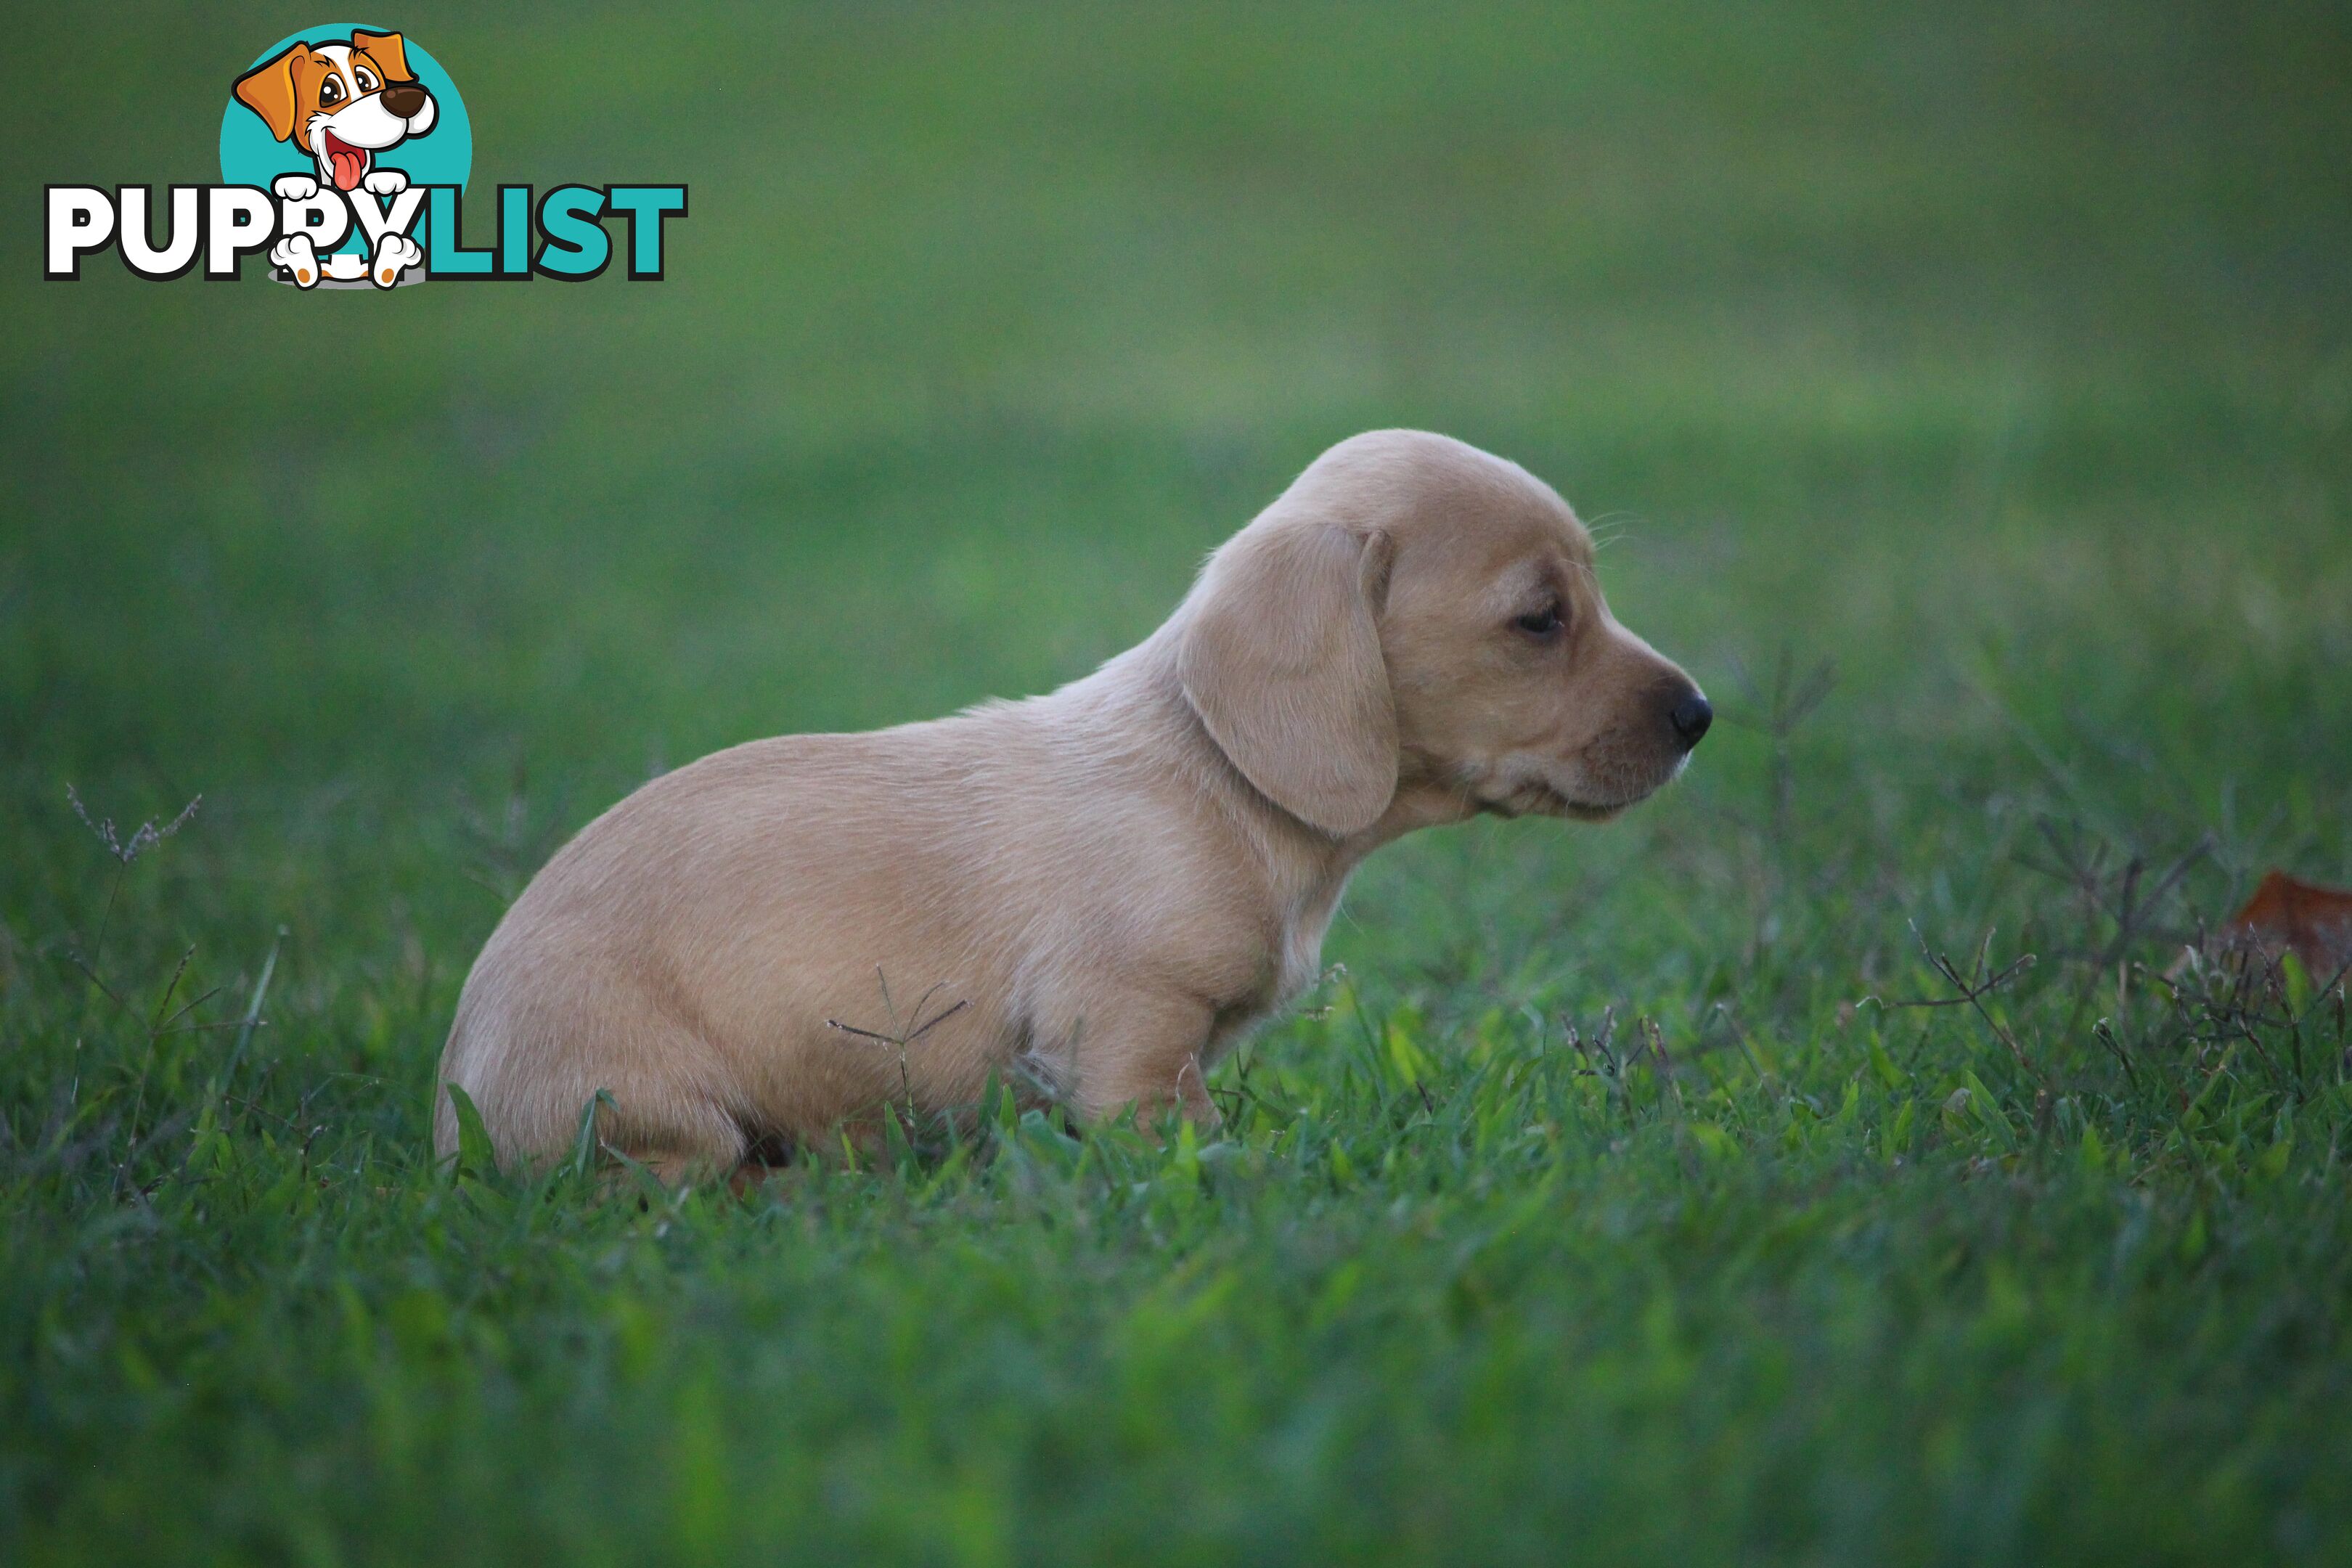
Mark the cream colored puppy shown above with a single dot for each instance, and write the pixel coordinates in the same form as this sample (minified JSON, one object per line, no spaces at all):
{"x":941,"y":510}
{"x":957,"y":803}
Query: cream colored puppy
{"x":1103,"y":888}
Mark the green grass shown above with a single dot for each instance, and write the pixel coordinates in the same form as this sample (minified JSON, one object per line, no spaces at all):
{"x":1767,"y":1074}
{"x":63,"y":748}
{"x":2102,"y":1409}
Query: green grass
{"x":2001,"y":357}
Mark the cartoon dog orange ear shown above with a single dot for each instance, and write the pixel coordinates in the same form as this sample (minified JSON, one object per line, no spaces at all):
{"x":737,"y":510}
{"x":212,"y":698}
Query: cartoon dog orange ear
{"x":267,"y":89}
{"x":387,"y":50}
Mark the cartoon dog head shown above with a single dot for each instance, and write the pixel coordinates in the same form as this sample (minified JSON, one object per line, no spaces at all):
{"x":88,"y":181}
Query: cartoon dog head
{"x":341,"y":103}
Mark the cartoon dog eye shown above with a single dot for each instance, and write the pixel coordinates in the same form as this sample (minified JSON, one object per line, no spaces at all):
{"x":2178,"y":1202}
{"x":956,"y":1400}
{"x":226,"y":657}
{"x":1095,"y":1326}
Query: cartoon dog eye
{"x":331,"y":91}
{"x":365,"y":78}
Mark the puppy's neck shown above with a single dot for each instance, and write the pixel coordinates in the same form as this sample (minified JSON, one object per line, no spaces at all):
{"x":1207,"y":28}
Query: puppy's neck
{"x":1136,"y":704}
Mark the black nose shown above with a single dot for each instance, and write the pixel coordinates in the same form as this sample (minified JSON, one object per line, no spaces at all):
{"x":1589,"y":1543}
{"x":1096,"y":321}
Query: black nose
{"x":405,"y":99}
{"x":1690,"y":719}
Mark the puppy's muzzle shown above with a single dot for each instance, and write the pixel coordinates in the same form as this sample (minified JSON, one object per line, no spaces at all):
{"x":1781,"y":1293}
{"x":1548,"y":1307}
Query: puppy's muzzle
{"x":405,"y":99}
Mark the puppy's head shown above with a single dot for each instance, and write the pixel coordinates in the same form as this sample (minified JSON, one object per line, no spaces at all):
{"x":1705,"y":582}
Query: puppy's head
{"x":341,"y":103}
{"x":1415,"y":610}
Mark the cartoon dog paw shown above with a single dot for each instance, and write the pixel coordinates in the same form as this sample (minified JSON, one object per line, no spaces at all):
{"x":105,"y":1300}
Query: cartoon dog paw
{"x":392,"y":253}
{"x":385,"y":183}
{"x":294,"y":253}
{"x":295,"y":188}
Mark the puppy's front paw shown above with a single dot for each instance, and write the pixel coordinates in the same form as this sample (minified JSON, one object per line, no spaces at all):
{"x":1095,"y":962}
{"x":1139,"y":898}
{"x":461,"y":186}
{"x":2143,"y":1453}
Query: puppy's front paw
{"x":384,"y":183}
{"x":297,"y":255}
{"x":392,"y":253}
{"x":295,"y":188}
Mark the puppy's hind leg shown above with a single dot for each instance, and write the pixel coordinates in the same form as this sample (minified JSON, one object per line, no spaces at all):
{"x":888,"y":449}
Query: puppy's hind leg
{"x":678,"y":1143}
{"x":665,"y":1110}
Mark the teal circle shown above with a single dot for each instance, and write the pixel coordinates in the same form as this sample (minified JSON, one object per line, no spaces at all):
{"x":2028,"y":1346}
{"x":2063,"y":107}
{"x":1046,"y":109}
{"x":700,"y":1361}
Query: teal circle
{"x":444,"y":155}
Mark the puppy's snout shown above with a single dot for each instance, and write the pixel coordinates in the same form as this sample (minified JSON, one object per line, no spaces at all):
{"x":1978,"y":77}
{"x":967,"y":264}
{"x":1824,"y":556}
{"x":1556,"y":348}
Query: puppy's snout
{"x":1690,"y":716}
{"x":405,"y":99}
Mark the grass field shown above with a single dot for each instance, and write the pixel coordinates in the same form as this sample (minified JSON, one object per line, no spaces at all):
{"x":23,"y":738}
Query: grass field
{"x":1612,"y":1203}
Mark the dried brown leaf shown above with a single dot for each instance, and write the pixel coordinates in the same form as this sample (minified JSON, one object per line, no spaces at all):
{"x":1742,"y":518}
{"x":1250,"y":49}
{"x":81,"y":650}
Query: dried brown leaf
{"x":2313,"y":920}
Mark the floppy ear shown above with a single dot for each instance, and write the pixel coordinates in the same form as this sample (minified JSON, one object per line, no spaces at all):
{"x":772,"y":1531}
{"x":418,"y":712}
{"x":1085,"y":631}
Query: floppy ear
{"x":387,"y":50}
{"x":267,"y":89}
{"x":1281,"y":657}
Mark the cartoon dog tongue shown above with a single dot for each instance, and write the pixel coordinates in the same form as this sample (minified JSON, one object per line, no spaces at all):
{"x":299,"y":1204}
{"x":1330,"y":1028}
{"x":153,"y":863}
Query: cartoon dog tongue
{"x":348,"y":161}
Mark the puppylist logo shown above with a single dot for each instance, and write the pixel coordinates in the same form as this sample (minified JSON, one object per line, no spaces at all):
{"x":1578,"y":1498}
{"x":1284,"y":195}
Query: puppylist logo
{"x":344,"y":155}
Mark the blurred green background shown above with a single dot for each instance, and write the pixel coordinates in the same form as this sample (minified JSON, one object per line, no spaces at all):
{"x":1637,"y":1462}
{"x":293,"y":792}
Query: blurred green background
{"x":1999,"y":356}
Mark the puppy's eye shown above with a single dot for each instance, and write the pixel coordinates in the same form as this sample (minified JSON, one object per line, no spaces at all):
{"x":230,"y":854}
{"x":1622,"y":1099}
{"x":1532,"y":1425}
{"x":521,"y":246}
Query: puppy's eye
{"x":331,"y":91}
{"x":1542,"y":625}
{"x":366,"y":79}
